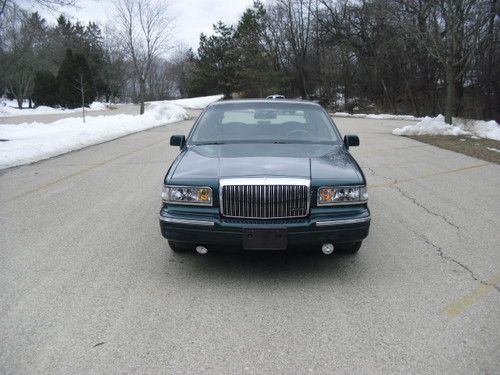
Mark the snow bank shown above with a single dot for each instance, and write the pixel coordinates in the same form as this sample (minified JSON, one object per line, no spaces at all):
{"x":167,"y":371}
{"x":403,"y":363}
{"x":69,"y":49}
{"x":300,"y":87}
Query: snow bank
{"x":377,"y":117}
{"x":7,"y":110}
{"x":437,"y":126}
{"x":97,"y":106}
{"x":194,"y":103}
{"x":487,"y":129}
{"x":34,"y":141}
{"x":30,"y":142}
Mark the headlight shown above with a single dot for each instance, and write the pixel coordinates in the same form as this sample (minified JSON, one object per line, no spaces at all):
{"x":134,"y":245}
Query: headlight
{"x":342,"y":195}
{"x":187,"y":195}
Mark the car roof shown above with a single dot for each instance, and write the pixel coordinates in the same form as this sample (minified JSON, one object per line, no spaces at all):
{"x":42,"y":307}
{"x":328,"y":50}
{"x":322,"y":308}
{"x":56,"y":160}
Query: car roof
{"x":260,"y":101}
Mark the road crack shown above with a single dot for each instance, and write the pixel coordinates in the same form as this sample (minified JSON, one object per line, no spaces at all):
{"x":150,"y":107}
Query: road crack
{"x":417,"y":203}
{"x":440,"y":252}
{"x":372,"y":172}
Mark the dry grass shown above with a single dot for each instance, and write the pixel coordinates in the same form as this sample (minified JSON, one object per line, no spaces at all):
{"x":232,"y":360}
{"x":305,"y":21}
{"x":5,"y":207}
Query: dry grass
{"x":477,"y":148}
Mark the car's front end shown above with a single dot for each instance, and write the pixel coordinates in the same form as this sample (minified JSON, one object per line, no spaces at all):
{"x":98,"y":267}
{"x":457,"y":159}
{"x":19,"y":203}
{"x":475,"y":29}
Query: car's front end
{"x":309,"y":229}
{"x":265,"y":196}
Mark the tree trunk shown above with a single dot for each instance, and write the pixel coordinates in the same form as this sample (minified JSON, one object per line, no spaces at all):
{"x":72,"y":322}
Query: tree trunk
{"x":142,"y":89}
{"x":30,"y":103}
{"x":387,"y":96}
{"x":450,"y":95}
{"x":83,"y":98}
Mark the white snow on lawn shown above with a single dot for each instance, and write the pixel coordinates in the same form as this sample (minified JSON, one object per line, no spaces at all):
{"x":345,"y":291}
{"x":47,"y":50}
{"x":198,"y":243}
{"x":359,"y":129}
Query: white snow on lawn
{"x":377,"y":117}
{"x":437,"y":126}
{"x":197,"y":103}
{"x":30,"y":142}
{"x":493,"y":149}
{"x":8,"y":110}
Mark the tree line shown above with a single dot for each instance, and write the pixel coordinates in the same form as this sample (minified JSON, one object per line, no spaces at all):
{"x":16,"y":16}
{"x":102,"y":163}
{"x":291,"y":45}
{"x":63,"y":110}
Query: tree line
{"x":420,"y":57}
{"x":399,"y":56}
{"x":68,"y":64}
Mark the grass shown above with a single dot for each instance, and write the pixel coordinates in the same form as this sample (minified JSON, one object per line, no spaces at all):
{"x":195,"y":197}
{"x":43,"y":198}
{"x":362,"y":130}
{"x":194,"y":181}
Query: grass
{"x":477,"y":148}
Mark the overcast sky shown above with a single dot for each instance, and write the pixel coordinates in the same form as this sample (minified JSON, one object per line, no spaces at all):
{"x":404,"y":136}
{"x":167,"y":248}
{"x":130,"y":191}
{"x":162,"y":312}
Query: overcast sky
{"x":192,"y":16}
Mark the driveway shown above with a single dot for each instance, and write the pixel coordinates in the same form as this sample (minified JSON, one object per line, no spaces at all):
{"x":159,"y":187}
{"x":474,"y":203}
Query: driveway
{"x":88,"y":285}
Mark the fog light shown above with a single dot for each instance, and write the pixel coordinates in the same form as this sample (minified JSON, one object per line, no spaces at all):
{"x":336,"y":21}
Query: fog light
{"x":201,"y":250}
{"x":327,"y":248}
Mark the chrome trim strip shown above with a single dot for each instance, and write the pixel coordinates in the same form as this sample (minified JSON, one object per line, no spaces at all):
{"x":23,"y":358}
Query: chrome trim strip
{"x":265,"y":181}
{"x":204,"y":223}
{"x":342,"y":222}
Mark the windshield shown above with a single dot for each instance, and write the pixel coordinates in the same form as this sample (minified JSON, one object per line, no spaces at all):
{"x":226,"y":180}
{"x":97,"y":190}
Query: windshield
{"x":264,"y":123}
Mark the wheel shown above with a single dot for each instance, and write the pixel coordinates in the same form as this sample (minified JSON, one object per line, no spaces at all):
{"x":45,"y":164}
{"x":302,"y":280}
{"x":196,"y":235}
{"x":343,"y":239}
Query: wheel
{"x":176,"y":247}
{"x":349,"y":247}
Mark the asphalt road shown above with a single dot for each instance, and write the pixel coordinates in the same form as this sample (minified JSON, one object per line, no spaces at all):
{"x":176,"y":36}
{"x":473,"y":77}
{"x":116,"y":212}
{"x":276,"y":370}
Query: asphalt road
{"x":88,"y":285}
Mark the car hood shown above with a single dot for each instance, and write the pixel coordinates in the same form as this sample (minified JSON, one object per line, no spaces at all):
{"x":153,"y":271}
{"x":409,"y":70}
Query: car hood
{"x":323,"y":164}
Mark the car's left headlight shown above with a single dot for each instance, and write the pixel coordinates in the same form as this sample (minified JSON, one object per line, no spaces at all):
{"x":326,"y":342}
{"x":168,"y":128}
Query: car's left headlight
{"x":187,"y":195}
{"x":332,"y":195}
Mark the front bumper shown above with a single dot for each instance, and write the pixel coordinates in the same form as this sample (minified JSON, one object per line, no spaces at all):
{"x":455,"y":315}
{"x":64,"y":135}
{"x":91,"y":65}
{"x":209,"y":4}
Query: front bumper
{"x":206,"y":227}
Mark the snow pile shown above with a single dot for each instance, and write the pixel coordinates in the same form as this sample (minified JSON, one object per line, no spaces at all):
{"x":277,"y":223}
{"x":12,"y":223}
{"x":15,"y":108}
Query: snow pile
{"x":7,"y":110}
{"x":97,"y":106}
{"x":378,"y":117}
{"x":197,"y":103}
{"x":437,"y":126}
{"x":487,"y":129}
{"x":30,"y":142}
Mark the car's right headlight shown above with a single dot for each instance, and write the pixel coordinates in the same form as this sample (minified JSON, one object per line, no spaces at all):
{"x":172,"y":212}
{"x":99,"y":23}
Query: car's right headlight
{"x":331,"y":195}
{"x":187,"y":195}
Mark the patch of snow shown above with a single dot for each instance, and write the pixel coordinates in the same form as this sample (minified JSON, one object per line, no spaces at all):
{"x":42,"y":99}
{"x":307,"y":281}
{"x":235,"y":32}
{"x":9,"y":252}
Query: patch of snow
{"x":97,"y":106}
{"x":487,"y":129}
{"x":34,"y":141}
{"x":378,"y":116}
{"x":437,"y":126}
{"x":9,"y":110}
{"x":193,"y":103}
{"x":493,"y":149}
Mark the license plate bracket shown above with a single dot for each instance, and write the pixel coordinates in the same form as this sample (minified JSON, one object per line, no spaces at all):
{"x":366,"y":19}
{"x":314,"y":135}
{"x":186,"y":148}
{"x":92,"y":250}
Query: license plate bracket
{"x":264,"y":238}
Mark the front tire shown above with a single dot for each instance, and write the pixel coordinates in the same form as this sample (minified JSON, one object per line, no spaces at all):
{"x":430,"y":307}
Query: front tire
{"x":176,"y":247}
{"x":349,"y":247}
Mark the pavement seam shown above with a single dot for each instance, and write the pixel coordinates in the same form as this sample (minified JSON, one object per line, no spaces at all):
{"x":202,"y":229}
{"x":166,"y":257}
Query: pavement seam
{"x":395,"y":182}
{"x":440,"y":249}
{"x":440,"y":252}
{"x":372,"y":172}
{"x":82,"y":171}
{"x":417,"y":203}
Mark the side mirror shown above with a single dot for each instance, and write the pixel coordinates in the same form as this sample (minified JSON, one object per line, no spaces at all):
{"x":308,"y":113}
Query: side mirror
{"x":178,"y":140}
{"x":351,"y":140}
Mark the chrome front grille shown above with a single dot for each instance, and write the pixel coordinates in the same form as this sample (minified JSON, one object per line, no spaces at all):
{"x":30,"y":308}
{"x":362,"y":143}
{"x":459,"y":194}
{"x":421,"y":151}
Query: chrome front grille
{"x":272,"y":199}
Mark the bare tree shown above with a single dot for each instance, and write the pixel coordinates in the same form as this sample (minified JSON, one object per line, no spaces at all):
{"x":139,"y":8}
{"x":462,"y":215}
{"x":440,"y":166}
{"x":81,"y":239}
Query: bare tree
{"x":21,"y":36}
{"x":145,"y":26}
{"x":451,"y":31}
{"x":49,"y":4}
{"x":299,"y":18}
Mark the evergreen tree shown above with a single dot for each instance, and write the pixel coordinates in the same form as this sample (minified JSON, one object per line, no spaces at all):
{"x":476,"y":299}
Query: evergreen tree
{"x":84,"y":81}
{"x":45,"y":90}
{"x":66,"y":78}
{"x":216,"y":68}
{"x":74,"y":80}
{"x":256,"y":77}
